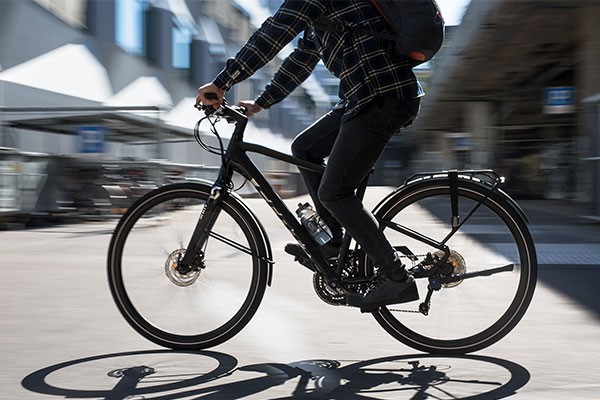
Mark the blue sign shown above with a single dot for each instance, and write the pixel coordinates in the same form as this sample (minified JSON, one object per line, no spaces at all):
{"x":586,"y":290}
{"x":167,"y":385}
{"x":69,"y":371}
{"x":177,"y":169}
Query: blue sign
{"x":90,"y":139}
{"x":559,"y":100}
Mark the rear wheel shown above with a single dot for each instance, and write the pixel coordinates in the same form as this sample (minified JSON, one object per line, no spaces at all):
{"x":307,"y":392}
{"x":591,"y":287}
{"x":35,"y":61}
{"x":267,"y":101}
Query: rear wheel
{"x":465,"y":313}
{"x":195,"y":309}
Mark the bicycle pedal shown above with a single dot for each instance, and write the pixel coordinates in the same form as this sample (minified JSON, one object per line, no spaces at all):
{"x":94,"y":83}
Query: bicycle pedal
{"x":299,"y":255}
{"x":295,"y":250}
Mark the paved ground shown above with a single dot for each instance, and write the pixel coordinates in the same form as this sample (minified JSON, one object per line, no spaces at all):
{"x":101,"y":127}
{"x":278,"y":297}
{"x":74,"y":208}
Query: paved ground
{"x":62,"y":337}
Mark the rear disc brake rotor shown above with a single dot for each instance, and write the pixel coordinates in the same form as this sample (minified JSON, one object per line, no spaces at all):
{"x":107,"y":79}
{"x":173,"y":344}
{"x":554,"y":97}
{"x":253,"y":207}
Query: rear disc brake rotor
{"x":459,"y":266}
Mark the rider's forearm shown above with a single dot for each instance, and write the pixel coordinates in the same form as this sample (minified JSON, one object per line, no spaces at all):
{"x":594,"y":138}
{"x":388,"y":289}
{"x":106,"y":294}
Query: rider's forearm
{"x":294,"y":70}
{"x":277,"y":31}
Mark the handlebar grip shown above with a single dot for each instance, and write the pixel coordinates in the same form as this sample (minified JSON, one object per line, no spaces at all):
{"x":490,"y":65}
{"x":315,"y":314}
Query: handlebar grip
{"x":208,"y":109}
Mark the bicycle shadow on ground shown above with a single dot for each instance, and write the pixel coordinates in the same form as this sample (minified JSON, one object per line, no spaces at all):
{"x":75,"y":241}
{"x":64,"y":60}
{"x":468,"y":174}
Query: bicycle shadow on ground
{"x":165,"y":374}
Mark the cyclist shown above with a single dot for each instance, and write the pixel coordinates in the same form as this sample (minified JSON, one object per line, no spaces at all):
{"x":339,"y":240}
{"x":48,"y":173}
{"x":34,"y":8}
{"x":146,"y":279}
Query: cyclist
{"x":379,"y":95}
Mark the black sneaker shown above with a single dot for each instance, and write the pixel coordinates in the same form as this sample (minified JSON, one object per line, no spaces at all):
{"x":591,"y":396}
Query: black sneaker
{"x":383,"y":291}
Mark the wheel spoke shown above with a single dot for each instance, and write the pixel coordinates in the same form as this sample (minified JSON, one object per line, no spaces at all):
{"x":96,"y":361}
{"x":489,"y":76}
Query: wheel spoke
{"x":186,"y":309}
{"x":493,"y":242}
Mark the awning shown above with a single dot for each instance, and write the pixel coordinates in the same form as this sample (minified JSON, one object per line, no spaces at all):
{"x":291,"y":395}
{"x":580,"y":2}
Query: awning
{"x":144,"y":91}
{"x":70,"y":70}
{"x":123,"y":124}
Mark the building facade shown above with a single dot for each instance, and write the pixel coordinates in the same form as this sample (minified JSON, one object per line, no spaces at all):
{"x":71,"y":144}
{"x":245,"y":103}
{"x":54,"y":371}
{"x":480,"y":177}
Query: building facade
{"x":114,"y":82}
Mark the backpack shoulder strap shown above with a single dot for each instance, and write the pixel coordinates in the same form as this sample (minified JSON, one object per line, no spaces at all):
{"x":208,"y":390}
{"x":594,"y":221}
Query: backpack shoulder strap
{"x":325,"y":24}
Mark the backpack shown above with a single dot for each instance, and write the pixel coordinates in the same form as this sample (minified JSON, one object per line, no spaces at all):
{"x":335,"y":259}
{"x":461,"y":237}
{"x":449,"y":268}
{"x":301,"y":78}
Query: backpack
{"x":417,"y":27}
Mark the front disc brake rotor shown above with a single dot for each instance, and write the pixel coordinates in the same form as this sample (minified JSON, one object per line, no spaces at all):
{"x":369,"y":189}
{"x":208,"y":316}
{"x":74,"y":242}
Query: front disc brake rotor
{"x":174,"y":275}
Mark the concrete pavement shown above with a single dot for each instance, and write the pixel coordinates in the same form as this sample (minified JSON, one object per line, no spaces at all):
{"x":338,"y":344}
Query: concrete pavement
{"x":62,"y":337}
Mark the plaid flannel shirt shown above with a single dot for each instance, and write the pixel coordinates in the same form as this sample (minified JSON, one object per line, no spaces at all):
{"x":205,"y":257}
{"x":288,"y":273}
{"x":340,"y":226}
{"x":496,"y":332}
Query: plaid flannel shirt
{"x":364,"y":64}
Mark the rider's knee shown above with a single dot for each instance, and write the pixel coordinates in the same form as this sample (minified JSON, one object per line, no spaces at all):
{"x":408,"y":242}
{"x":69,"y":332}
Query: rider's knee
{"x":299,"y":149}
{"x":327,"y":196}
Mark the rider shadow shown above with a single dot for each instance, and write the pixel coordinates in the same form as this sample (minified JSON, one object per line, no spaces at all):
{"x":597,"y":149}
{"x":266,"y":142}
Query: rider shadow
{"x":164,"y":374}
{"x":421,"y":376}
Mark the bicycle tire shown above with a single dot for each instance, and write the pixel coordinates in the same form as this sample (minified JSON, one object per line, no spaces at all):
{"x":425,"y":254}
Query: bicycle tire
{"x":200,"y":309}
{"x":478,"y":311}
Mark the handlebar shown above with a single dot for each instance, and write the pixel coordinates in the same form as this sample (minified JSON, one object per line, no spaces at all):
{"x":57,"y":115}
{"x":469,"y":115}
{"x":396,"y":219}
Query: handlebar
{"x":231,"y":113}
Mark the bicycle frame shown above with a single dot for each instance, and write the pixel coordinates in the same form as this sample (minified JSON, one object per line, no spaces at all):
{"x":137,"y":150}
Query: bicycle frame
{"x":427,"y":209}
{"x":236,"y":159}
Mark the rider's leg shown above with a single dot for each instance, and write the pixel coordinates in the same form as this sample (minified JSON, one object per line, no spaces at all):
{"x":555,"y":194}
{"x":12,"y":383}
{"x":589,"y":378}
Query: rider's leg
{"x":359,"y":145}
{"x":314,"y":144}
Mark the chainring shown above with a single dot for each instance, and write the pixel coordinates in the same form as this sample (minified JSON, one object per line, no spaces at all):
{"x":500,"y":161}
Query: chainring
{"x":326,"y":292}
{"x":351,"y":269}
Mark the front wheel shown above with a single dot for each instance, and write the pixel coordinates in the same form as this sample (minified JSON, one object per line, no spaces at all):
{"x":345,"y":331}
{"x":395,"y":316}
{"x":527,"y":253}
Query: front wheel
{"x":488,"y":280}
{"x":195,"y":309}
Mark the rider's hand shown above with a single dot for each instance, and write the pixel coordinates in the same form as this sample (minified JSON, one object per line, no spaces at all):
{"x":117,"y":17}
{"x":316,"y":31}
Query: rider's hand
{"x":204,"y":90}
{"x":251,"y":107}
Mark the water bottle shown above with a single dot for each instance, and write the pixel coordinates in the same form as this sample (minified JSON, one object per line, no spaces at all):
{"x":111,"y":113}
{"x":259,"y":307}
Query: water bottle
{"x":313,"y":223}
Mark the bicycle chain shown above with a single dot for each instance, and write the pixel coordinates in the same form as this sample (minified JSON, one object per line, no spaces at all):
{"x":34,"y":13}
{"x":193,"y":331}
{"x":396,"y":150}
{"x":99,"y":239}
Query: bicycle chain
{"x":390,"y":309}
{"x":404,"y":311}
{"x":339,"y":303}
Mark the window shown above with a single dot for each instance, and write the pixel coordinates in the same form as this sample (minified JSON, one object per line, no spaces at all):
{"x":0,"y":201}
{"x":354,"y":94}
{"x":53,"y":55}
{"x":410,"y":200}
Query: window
{"x":182,"y":37}
{"x":129,"y":21}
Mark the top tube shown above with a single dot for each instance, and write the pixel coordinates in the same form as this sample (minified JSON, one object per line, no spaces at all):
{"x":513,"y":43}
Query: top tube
{"x":235,"y":115}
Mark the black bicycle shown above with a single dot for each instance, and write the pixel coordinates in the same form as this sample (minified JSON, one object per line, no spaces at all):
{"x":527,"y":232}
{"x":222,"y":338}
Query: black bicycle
{"x":189,"y":262}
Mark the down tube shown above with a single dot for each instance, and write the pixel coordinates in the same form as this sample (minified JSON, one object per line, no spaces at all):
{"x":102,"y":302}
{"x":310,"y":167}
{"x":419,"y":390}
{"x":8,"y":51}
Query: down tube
{"x":263,"y":187}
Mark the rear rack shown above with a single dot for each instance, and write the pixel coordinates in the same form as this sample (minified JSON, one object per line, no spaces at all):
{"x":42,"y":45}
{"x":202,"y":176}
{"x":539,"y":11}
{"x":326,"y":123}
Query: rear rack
{"x":485,"y":176}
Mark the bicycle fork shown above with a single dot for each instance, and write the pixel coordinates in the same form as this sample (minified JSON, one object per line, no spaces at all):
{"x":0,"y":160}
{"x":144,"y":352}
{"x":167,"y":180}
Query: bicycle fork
{"x":193,"y":258}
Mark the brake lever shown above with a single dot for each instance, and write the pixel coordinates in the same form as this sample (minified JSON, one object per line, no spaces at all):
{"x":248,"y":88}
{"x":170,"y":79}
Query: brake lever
{"x":218,"y":111}
{"x":208,"y":110}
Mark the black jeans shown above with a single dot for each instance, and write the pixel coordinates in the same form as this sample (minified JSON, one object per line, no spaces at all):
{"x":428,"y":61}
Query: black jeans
{"x":353,"y":148}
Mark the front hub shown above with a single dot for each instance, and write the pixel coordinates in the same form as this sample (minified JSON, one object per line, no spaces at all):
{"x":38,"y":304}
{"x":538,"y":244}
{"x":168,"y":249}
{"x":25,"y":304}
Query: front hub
{"x":175,"y":273}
